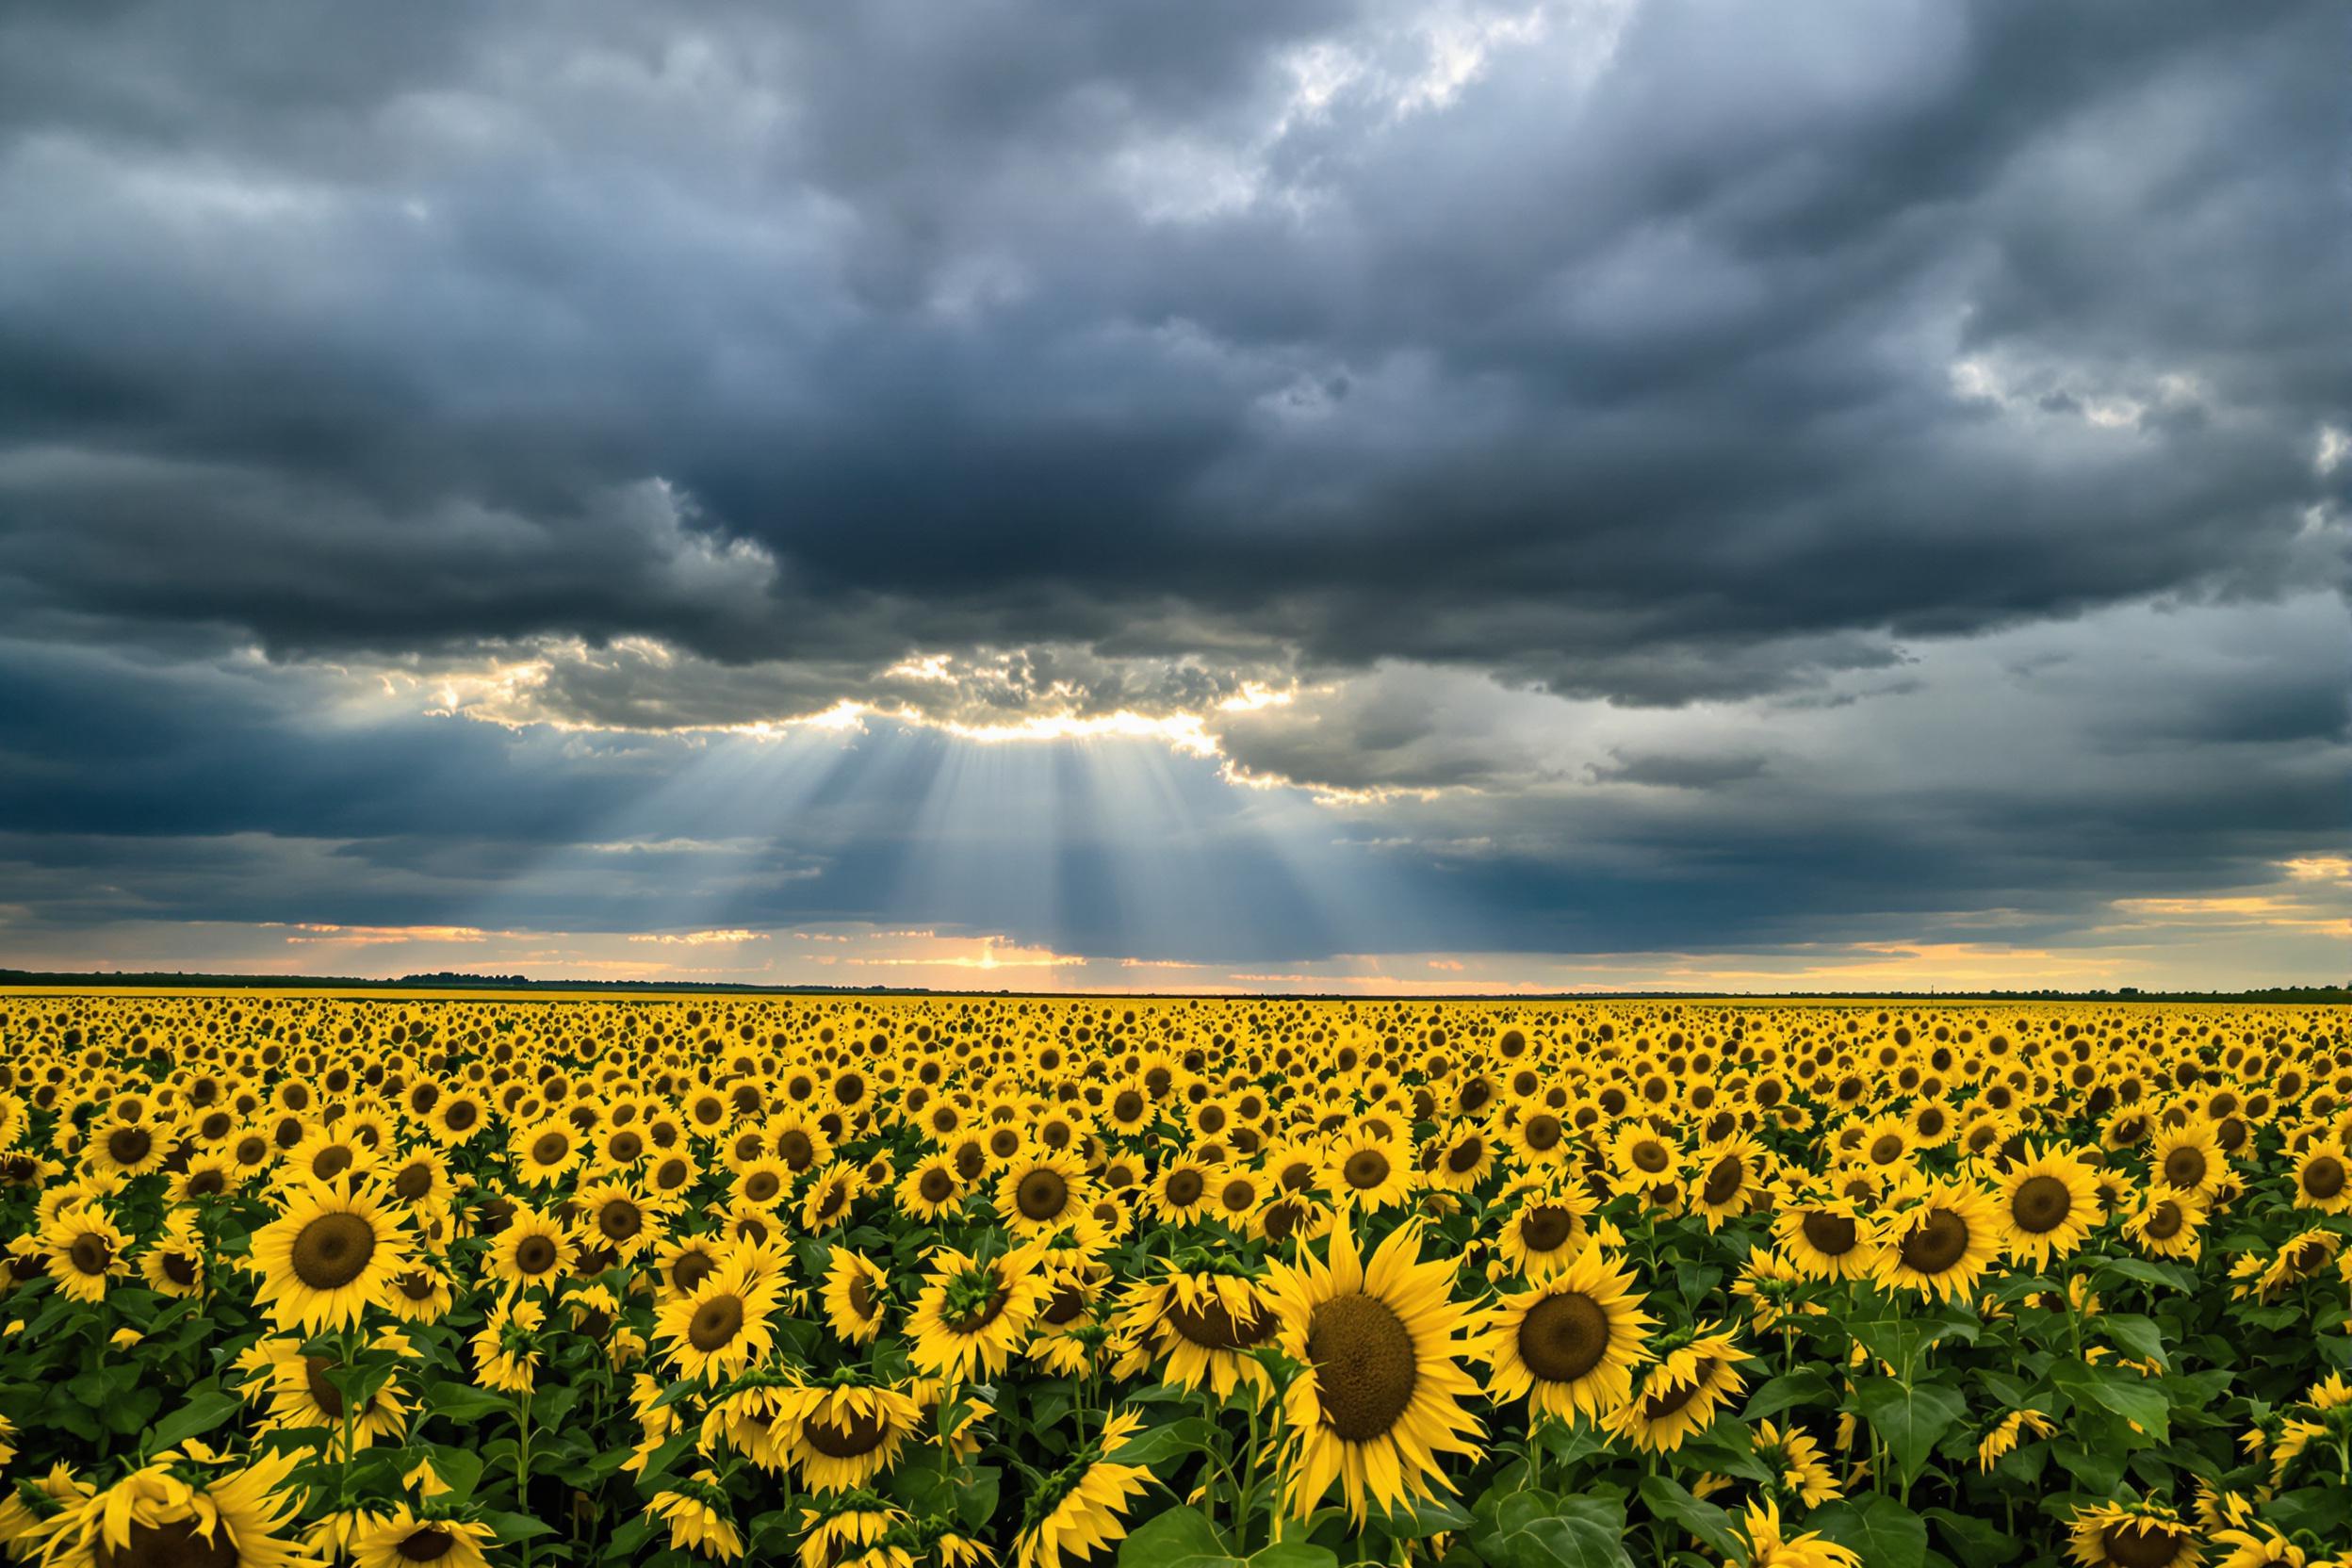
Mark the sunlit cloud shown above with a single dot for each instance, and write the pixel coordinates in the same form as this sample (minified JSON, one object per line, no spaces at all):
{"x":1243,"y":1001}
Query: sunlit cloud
{"x":700,"y":938}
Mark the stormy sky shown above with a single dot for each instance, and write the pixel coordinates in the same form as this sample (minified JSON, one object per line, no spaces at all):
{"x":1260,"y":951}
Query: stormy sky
{"x":1351,"y":494}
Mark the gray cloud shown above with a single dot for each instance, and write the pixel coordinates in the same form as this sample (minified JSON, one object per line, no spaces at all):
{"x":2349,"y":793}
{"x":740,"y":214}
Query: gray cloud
{"x":1641,"y":426}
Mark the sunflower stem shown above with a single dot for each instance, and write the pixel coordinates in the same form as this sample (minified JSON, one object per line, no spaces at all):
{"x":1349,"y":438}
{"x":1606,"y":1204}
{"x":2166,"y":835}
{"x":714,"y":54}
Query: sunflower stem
{"x":522,"y":1466}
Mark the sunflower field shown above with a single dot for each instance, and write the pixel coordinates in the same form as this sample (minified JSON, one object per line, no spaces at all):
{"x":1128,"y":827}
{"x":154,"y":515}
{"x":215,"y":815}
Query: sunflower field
{"x":406,"y":1279}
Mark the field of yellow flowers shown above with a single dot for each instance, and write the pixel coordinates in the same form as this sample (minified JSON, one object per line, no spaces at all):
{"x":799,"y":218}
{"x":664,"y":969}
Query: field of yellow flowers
{"x":418,"y":1279}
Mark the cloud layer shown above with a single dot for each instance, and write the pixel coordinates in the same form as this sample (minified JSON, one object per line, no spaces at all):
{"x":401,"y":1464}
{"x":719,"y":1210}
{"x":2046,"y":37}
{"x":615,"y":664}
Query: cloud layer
{"x":1588,"y":478}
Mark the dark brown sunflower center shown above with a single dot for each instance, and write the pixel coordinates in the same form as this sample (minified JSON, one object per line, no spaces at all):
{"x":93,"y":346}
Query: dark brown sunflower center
{"x":1542,"y":1133}
{"x":551,"y":1146}
{"x":323,"y":1390}
{"x":461,"y":1115}
{"x":2134,"y":1545}
{"x":332,"y":1251}
{"x":177,"y":1544}
{"x":2041,"y":1205}
{"x":620,"y":1220}
{"x":1831,"y":1234}
{"x":761,"y":1185}
{"x":413,"y":1181}
{"x":2324,"y":1177}
{"x":1657,"y":1406}
{"x":1042,"y":1195}
{"x":1724,"y":1180}
{"x":1651,"y":1155}
{"x":1064,"y":1309}
{"x":129,"y":1145}
{"x":207,"y":1184}
{"x":330,"y":1162}
{"x":1464,"y":1156}
{"x":1562,"y":1337}
{"x":1886,"y":1148}
{"x":534,"y":1254}
{"x":626,"y":1147}
{"x":1937,"y":1242}
{"x":1212,"y":1327}
{"x":936,"y":1186}
{"x":427,"y":1546}
{"x":1545,"y":1227}
{"x":691,"y":1269}
{"x":1365,"y":1168}
{"x":670,"y":1174}
{"x":2165,"y":1219}
{"x":1365,"y":1365}
{"x":1127,"y":1105}
{"x":2184,"y":1168}
{"x":91,"y":1253}
{"x":179,"y":1268}
{"x":716,"y":1323}
{"x":416,"y":1284}
{"x":860,"y":1434}
{"x":1184,"y":1188}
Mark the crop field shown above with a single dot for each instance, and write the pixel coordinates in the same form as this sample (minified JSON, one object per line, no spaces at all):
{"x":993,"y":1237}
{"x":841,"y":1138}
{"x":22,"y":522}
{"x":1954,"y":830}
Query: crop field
{"x":412,"y":1279}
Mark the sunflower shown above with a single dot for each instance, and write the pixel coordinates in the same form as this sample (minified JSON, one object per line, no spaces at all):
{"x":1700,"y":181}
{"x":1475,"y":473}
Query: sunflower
{"x":2187,"y":1158}
{"x":2133,"y":1535}
{"x":827,"y":1203}
{"x":324,"y":1155}
{"x":546,"y":1151}
{"x":85,"y":1251}
{"x":856,"y":1293}
{"x":2167,"y":1225}
{"x":1545,"y":1233}
{"x":1639,"y":1160}
{"x":684,"y":1262}
{"x":1080,"y":1508}
{"x":1768,"y":1547}
{"x":329,"y":1255}
{"x":842,"y":1437}
{"x":1067,"y":1340}
{"x":1729,"y":1177}
{"x":418,"y":1178}
{"x":618,"y":1218}
{"x":303,"y":1393}
{"x":1539,"y":1140}
{"x":420,"y":1294}
{"x":1379,"y":1395}
{"x":2049,"y":1203}
{"x":1939,"y":1240}
{"x":403,"y":1540}
{"x":533,"y":1249}
{"x":1039,"y":1193}
{"x":1569,"y":1346}
{"x":721,"y":1326}
{"x":974,"y":1313}
{"x":1825,"y":1238}
{"x":457,"y":1117}
{"x":180,"y":1508}
{"x":698,"y":1515}
{"x":173,"y":1263}
{"x":129,"y":1148}
{"x":2323,"y":1178}
{"x":1459,"y":1159}
{"x":1680,"y":1394}
{"x":1370,"y":1170}
{"x":1799,"y":1462}
{"x":506,"y":1348}
{"x":932,"y":1189}
{"x":1202,"y":1326}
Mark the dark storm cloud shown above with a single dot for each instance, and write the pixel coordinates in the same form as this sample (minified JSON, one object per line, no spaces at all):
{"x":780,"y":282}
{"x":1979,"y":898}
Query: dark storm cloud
{"x":1023,"y":328}
{"x":1493,"y":380}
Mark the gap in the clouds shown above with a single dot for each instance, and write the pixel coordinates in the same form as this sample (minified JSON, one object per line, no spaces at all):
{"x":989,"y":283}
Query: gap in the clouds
{"x":1106,"y":848}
